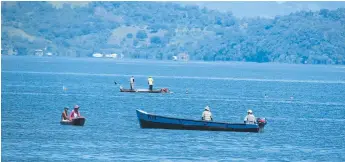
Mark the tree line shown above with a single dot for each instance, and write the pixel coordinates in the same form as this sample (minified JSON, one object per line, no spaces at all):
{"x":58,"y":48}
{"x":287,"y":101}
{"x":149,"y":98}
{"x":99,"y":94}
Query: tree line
{"x":160,"y":30}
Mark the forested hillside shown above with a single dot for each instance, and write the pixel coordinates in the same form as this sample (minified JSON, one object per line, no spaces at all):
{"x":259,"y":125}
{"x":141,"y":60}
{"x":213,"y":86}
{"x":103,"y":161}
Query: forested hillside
{"x":160,"y":30}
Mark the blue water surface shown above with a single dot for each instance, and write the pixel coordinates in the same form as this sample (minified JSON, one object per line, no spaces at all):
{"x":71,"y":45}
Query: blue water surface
{"x":304,"y":105}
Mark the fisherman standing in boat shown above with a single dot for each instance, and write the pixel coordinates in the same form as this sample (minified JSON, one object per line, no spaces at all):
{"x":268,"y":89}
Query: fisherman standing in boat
{"x":250,"y":118}
{"x":75,"y":113}
{"x":150,"y":81}
{"x":64,"y":115}
{"x":207,"y":115}
{"x":131,"y":81}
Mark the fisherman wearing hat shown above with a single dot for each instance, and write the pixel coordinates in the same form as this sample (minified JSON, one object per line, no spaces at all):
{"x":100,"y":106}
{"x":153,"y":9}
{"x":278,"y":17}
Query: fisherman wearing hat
{"x":75,"y":113}
{"x":250,"y":118}
{"x":207,"y":115}
{"x":64,"y":115}
{"x":150,"y":82}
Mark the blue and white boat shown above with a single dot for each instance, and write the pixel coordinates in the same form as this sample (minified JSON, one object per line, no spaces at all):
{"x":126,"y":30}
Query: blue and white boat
{"x":147,"y":120}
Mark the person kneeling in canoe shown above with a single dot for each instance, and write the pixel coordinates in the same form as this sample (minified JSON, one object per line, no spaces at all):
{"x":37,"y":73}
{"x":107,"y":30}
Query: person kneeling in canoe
{"x":75,"y":113}
{"x":64,"y":115}
{"x":207,"y":115}
{"x":250,"y":118}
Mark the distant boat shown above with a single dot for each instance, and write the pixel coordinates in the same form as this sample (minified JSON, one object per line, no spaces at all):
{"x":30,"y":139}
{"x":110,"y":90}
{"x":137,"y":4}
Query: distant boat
{"x":162,"y":90}
{"x":147,"y":120}
{"x":80,"y":121}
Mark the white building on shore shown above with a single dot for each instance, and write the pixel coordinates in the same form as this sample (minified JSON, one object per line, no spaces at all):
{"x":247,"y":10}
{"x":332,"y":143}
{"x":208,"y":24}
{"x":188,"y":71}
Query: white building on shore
{"x":174,"y":58}
{"x":39,"y":52}
{"x":97,"y":55}
{"x":113,"y":55}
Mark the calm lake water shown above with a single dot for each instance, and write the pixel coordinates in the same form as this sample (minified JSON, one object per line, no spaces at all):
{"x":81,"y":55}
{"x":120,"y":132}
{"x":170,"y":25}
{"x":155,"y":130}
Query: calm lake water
{"x":307,"y":127}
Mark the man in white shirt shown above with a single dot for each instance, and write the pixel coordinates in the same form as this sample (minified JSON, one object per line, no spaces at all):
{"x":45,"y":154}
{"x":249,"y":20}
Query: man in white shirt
{"x":131,"y":81}
{"x":250,"y":118}
{"x":207,"y":115}
{"x":150,"y":81}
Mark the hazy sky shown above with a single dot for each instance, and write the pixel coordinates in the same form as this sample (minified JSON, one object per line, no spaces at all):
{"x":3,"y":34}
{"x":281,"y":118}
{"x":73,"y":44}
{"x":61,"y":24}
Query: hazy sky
{"x":267,"y":9}
{"x":251,"y":9}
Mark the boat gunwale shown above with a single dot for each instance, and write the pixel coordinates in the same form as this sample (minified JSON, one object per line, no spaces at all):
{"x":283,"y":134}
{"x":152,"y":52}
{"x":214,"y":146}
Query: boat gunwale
{"x":74,"y":122}
{"x":141,"y":90}
{"x":140,"y":111}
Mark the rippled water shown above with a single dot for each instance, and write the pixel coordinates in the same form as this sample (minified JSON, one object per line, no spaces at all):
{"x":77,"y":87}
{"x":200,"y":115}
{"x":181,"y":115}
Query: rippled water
{"x":307,"y":127}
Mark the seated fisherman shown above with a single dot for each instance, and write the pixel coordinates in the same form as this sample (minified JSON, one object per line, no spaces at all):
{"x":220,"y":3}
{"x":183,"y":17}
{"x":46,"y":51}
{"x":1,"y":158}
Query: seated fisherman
{"x":250,"y":118}
{"x":207,"y":115}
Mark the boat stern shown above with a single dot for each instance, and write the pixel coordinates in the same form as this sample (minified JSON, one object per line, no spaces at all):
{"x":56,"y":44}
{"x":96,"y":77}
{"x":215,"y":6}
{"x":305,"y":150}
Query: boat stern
{"x":261,"y":122}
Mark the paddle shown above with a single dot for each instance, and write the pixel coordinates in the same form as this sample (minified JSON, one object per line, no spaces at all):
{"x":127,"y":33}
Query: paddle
{"x":118,"y":84}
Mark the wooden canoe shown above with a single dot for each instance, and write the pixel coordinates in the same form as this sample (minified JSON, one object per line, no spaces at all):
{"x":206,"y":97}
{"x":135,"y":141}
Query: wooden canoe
{"x":147,"y":120}
{"x":162,"y":90}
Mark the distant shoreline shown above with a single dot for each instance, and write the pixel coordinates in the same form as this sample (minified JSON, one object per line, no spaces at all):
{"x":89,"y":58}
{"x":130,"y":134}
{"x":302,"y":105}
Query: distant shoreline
{"x":127,"y":60}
